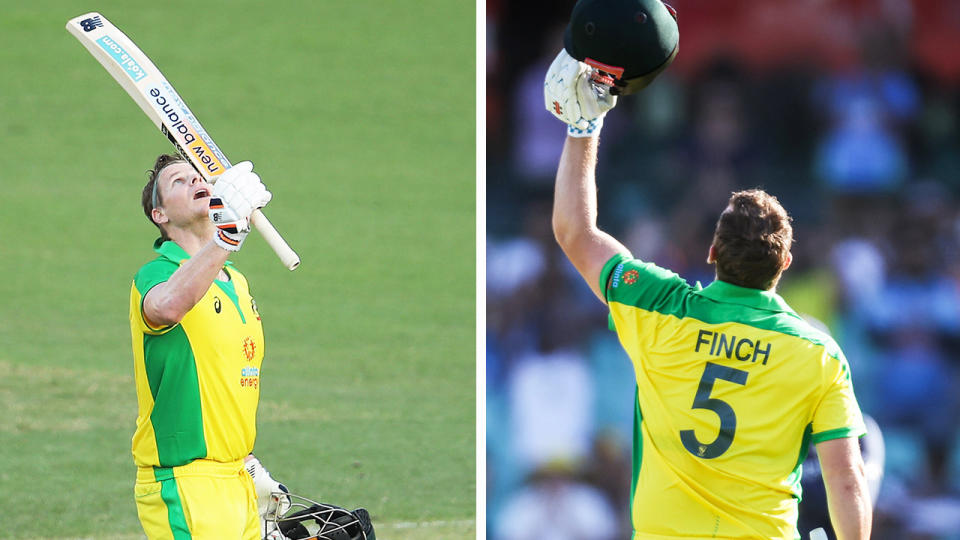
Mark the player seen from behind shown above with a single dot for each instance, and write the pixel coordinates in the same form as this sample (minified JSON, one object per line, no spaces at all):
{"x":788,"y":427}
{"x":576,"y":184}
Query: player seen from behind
{"x":732,"y":385}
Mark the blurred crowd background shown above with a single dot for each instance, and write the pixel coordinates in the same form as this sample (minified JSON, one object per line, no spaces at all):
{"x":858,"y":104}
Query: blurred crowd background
{"x":847,"y":111}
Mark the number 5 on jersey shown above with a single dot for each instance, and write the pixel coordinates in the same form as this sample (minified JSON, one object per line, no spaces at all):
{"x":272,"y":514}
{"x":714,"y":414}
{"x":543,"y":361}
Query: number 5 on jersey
{"x":728,"y":419}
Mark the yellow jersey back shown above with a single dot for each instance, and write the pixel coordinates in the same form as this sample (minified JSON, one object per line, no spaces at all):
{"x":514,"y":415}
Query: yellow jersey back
{"x":732,"y":385}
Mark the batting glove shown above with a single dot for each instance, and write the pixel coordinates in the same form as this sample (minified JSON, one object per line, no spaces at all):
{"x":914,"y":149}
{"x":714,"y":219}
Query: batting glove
{"x":236,"y":194}
{"x":574,"y":93}
{"x":272,"y":499}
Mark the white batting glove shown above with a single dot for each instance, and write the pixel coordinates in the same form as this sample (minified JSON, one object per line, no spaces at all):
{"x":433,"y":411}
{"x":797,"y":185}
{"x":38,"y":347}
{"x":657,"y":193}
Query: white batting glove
{"x":271,"y":497}
{"x":236,"y":194}
{"x":571,"y":94}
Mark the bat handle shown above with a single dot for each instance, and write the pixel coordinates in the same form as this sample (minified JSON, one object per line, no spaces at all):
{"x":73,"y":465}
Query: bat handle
{"x":288,"y":257}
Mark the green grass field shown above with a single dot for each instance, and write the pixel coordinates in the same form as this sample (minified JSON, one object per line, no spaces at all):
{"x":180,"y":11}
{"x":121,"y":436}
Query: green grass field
{"x":360,"y":119}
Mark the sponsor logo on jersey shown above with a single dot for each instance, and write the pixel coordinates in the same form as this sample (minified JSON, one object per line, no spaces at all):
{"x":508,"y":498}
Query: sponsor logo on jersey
{"x":250,"y":377}
{"x":249,"y":348}
{"x":616,"y":276}
{"x":631,"y":277}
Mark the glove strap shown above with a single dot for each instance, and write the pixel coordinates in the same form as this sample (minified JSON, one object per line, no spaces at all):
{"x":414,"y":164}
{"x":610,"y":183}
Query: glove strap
{"x":229,"y":242}
{"x":229,"y":234}
{"x":592,"y":129}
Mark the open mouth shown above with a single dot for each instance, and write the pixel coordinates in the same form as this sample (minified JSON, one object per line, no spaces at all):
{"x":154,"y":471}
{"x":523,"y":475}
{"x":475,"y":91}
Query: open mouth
{"x":200,"y":194}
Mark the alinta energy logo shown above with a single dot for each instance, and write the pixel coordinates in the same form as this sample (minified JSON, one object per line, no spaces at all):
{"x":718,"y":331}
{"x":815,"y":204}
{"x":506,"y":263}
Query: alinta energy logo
{"x":249,"y":348}
{"x":250,"y":377}
{"x":630,"y":277}
{"x":617,"y":273}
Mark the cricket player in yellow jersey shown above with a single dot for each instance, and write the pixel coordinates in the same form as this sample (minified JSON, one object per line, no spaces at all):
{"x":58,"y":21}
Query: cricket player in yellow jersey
{"x":732,"y":384}
{"x":198,"y":347}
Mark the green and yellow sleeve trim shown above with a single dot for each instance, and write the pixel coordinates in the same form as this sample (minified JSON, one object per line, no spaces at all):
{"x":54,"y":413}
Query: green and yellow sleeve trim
{"x":838,"y":433}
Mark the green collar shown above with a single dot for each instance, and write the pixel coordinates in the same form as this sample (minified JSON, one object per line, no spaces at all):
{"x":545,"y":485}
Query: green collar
{"x":722,"y":291}
{"x":171,"y":250}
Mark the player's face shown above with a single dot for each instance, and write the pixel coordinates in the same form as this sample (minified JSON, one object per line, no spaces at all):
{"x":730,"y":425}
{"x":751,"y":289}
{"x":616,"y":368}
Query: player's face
{"x":185,"y":194}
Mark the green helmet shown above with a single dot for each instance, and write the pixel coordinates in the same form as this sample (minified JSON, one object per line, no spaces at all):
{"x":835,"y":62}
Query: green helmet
{"x":632,"y":41}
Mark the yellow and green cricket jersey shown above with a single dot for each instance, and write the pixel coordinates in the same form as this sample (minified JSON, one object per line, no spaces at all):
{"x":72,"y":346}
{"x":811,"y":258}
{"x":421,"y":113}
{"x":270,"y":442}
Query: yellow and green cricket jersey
{"x":198,"y":382}
{"x":732,"y":385}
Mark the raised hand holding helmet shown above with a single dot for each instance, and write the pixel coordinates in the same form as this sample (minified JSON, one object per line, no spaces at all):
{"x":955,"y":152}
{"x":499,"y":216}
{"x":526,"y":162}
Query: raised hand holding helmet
{"x":573,"y":94}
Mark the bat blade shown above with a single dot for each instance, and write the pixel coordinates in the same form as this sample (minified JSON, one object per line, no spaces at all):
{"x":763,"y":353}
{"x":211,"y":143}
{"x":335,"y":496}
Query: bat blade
{"x":157,"y":98}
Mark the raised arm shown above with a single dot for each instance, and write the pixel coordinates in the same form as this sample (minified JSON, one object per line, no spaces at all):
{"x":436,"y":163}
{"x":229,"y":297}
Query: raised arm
{"x":234,"y":197}
{"x":168,"y":302}
{"x":847,"y":494}
{"x":571,"y":95}
{"x":575,"y":212}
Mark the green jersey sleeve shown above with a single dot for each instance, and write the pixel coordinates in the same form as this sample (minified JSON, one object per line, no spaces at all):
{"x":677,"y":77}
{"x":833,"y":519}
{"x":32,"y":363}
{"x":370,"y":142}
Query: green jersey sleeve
{"x":641,"y":284}
{"x":150,"y":275}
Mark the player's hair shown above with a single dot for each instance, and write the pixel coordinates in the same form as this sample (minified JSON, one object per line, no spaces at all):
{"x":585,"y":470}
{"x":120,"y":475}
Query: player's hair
{"x":151,"y":195}
{"x":752,"y":240}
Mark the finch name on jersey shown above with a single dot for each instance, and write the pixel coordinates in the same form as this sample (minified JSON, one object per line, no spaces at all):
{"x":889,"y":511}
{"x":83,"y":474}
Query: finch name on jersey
{"x":742,"y":349}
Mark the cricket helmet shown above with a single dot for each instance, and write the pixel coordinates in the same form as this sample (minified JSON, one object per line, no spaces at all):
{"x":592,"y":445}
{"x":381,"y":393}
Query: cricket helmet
{"x":304,"y":519}
{"x":630,"y":41}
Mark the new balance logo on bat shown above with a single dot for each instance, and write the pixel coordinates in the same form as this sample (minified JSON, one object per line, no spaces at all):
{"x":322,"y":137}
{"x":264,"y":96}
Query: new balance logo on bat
{"x":175,"y":121}
{"x":91,"y":23}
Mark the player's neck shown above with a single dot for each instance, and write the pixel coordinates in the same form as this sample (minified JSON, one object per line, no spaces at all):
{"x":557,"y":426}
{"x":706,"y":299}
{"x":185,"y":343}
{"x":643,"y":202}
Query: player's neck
{"x":192,"y":238}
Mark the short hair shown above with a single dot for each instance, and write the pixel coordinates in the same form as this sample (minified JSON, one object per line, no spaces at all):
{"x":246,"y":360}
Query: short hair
{"x":752,"y":240}
{"x":150,"y":190}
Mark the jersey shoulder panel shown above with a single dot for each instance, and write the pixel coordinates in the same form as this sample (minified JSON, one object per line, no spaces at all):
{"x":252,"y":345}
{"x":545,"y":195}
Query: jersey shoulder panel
{"x":154,"y":272}
{"x":644,"y":285}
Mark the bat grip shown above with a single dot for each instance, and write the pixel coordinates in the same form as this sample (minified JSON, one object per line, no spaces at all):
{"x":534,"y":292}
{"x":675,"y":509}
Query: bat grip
{"x":288,"y":257}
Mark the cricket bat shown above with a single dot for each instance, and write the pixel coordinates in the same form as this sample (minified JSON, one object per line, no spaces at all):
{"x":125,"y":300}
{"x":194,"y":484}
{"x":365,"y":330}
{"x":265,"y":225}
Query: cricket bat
{"x":160,"y":102}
